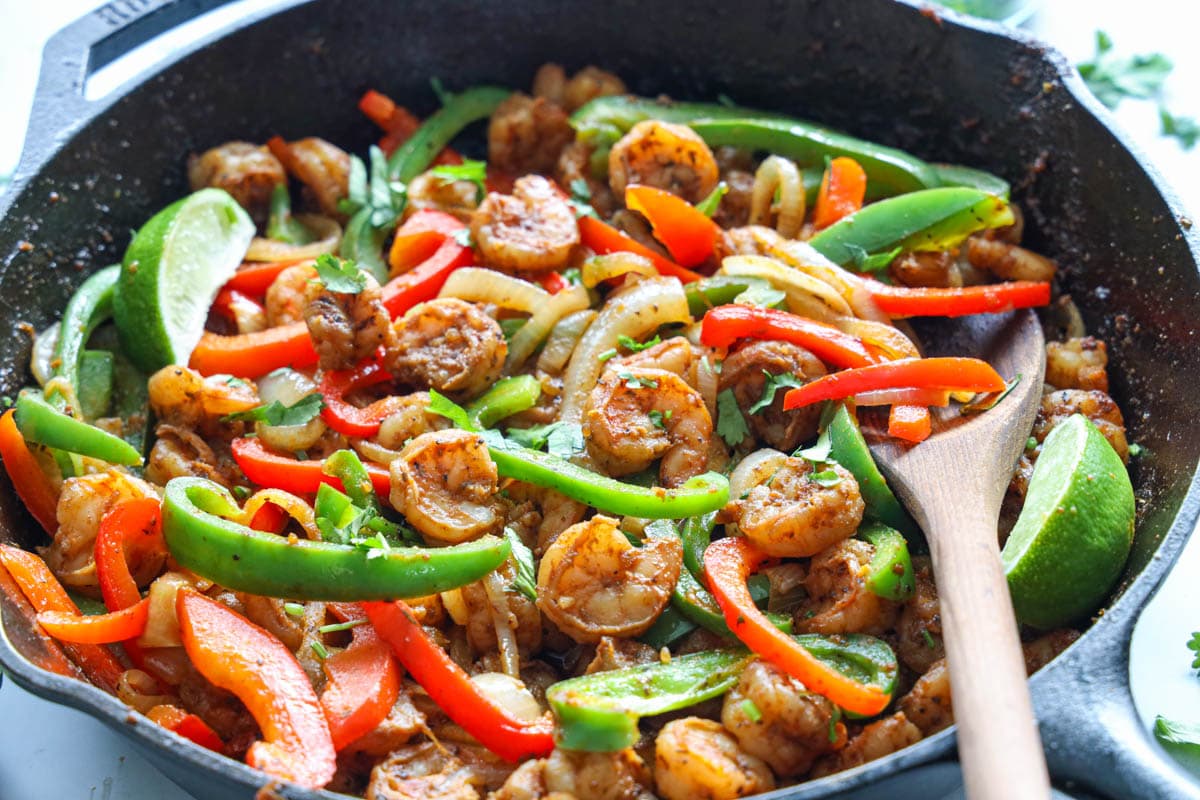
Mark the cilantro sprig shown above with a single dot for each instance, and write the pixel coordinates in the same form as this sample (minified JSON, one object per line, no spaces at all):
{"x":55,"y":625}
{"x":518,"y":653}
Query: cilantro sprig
{"x":276,"y":414}
{"x":469,"y":170}
{"x":731,"y":425}
{"x":772,"y":385}
{"x":340,"y":275}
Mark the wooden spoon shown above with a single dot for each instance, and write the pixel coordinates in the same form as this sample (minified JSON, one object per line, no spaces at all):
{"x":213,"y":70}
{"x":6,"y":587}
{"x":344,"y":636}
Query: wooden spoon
{"x":953,"y":484}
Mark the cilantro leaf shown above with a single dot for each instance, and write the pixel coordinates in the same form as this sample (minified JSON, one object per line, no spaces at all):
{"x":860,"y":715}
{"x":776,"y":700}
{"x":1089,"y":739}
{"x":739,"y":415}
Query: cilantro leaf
{"x":826,"y":478}
{"x":773,"y":385}
{"x":1193,"y":644}
{"x":659,"y":419}
{"x":762,"y":295}
{"x":1185,"y":129}
{"x":469,"y":170}
{"x":1112,"y":77}
{"x":1178,"y":734}
{"x":566,"y":441}
{"x":445,"y":407}
{"x":534,"y":438}
{"x":731,"y":425}
{"x":525,"y":580}
{"x":276,"y":414}
{"x":709,"y":205}
{"x":581,"y":199}
{"x":819,"y":452}
{"x":634,"y":346}
{"x":866,"y":262}
{"x":340,"y":275}
{"x":634,"y":382}
{"x":281,"y":225}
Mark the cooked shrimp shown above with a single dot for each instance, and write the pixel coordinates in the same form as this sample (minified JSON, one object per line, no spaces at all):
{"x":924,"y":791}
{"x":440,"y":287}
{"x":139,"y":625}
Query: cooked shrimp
{"x":84,"y":501}
{"x":182,"y":452}
{"x":928,"y":704}
{"x":792,"y":727}
{"x":592,"y":582}
{"x":936,"y":269}
{"x":444,"y":483}
{"x":247,"y":171}
{"x":838,"y":598}
{"x":527,"y":782}
{"x":541,"y":513}
{"x":531,"y":230}
{"x":697,"y":758}
{"x":734,"y":210}
{"x":290,"y":293}
{"x":324,"y":169}
{"x":449,"y":345}
{"x":426,"y":771}
{"x":1077,"y":364}
{"x":880,"y":738}
{"x":616,"y":653}
{"x":676,"y":355}
{"x":745,"y":373}
{"x":409,"y":420}
{"x":575,"y":164}
{"x":587,"y":84}
{"x":664,"y":155}
{"x":1095,"y":405}
{"x":1009,"y":261}
{"x":634,"y":416}
{"x":919,"y":629}
{"x":184,"y":398}
{"x":399,"y":727}
{"x":598,"y":776}
{"x":346,"y":328}
{"x":526,"y":134}
{"x":786,"y":513}
{"x":428,"y":191}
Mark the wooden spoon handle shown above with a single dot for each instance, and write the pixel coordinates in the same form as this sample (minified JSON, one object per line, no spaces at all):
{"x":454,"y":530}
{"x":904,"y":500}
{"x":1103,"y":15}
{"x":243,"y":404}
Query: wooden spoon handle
{"x":998,"y":742}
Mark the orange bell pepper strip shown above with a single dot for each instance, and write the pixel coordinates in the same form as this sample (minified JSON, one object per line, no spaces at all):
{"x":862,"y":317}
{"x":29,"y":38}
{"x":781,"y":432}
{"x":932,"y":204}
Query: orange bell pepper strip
{"x":604,"y":239}
{"x":189,"y":726}
{"x":683,"y":229}
{"x":249,"y":355}
{"x":958,"y":374}
{"x":454,"y":691}
{"x":843,"y":188}
{"x":724,"y":325}
{"x":45,"y":593}
{"x":240,"y":657}
{"x":254,"y":278}
{"x":31,"y":484}
{"x":298,"y":477}
{"x":992,"y":298}
{"x":362,"y":681}
{"x":424,"y":281}
{"x":419,"y":238}
{"x":911,"y":423}
{"x":348,"y":419}
{"x":728,"y":563}
{"x":116,"y":626}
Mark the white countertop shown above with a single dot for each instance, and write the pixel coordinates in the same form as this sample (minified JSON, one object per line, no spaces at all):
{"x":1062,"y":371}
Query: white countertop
{"x":53,"y":752}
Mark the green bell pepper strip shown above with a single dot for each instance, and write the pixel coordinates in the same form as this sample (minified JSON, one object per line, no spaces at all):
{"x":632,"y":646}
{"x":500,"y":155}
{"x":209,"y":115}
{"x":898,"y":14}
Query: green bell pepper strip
{"x":695,"y":603}
{"x":958,"y":175}
{"x":930,"y":219}
{"x":698,"y":495}
{"x":460,"y":110}
{"x":88,"y":307}
{"x":346,"y":466}
{"x":696,"y":533}
{"x":281,"y":225}
{"x":669,"y":628}
{"x":335,"y":507}
{"x":507,"y":397}
{"x":718,"y":290}
{"x":40,"y":422}
{"x":863,"y":658}
{"x":200,"y":538}
{"x":600,"y":712}
{"x":848,"y":448}
{"x":890,"y":573}
{"x":95,"y":390}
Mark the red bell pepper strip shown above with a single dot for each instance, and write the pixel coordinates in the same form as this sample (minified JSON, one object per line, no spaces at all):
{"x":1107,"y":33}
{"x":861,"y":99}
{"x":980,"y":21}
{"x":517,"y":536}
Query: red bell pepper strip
{"x":604,"y":239}
{"x":254,"y":278}
{"x":553,"y":282}
{"x":728,"y":563}
{"x":31,"y":484}
{"x":958,"y":374}
{"x":424,"y":281}
{"x":683,"y":229}
{"x":724,"y":325}
{"x":348,"y":419}
{"x":269,"y":518}
{"x":45,"y":593}
{"x":189,"y":726}
{"x":910,"y":422}
{"x":110,"y":628}
{"x":238,"y":656}
{"x":419,"y":238}
{"x":843,"y":188}
{"x":362,"y":681}
{"x":298,"y":477}
{"x":453,"y":690}
{"x":398,"y":123}
{"x":992,"y":298}
{"x":249,"y":355}
{"x":229,"y":302}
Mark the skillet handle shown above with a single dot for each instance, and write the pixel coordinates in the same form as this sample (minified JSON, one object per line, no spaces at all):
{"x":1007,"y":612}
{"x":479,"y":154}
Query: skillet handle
{"x":77,"y":51}
{"x":1090,"y":728}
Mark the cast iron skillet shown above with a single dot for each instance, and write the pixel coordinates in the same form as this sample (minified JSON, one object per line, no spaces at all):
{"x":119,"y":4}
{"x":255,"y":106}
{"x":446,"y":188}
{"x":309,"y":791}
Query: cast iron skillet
{"x":947,"y":89}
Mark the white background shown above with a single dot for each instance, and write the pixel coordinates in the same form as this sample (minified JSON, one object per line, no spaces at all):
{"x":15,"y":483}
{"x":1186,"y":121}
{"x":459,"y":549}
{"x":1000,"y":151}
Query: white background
{"x":47,"y":751}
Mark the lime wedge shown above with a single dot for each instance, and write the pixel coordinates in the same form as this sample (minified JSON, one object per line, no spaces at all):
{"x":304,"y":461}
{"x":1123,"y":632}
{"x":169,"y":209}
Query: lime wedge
{"x":1070,"y":543}
{"x":172,"y":271}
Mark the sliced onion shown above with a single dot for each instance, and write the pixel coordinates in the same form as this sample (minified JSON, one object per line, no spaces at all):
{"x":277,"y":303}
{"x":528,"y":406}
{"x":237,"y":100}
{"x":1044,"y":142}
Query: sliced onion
{"x":887,"y":338}
{"x":510,"y":694}
{"x":753,"y":470}
{"x":374,"y":451}
{"x":288,"y":387}
{"x":598,"y":269}
{"x":506,"y":638}
{"x":135,"y":689}
{"x":805,"y":258}
{"x":635,"y":312}
{"x":562,"y":340}
{"x":42,"y":356}
{"x":327,"y":231}
{"x":478,"y":285}
{"x":806,"y":295}
{"x":707,"y":385}
{"x":295,"y":508}
{"x":162,"y":626}
{"x":903,"y":397}
{"x":778,"y":176}
{"x":543,"y":320}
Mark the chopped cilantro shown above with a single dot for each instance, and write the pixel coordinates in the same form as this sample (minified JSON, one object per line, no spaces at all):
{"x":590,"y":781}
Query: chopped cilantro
{"x":525,"y":580}
{"x":581,"y":199}
{"x":566,"y":440}
{"x":1193,"y":644}
{"x":634,"y":382}
{"x":340,"y":275}
{"x":469,"y":170}
{"x":751,"y":710}
{"x":276,"y":413}
{"x":445,"y":407}
{"x":293,"y":609}
{"x":659,"y":419}
{"x":731,"y":425}
{"x":1135,"y":450}
{"x":1112,"y":78}
{"x":867,"y":262}
{"x":928,"y":637}
{"x":819,"y":452}
{"x":1178,"y":734}
{"x":826,"y":478}
{"x":1185,"y":129}
{"x":320,"y":651}
{"x":709,"y":205}
{"x":634,"y":346}
{"x":772,"y":386}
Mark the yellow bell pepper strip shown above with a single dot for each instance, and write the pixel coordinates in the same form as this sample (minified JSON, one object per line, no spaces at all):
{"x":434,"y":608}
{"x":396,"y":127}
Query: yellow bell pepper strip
{"x":201,"y":538}
{"x":600,"y":712}
{"x":240,"y":657}
{"x":453,"y":690}
{"x":729,"y":563}
{"x":31,"y":484}
{"x":40,"y":422}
